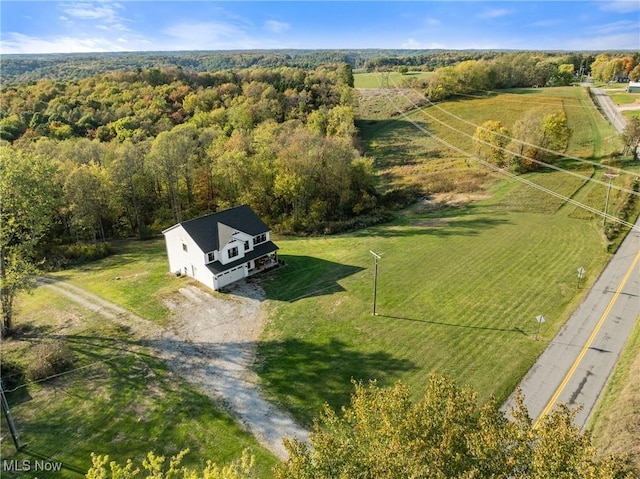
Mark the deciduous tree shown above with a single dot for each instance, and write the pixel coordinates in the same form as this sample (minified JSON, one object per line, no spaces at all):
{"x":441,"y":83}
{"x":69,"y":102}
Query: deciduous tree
{"x":490,"y":139}
{"x":631,"y":136}
{"x":156,"y":467}
{"x":28,"y":197}
{"x":445,"y":435}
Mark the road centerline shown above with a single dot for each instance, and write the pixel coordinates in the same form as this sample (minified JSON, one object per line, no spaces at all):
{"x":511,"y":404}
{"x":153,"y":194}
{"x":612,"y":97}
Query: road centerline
{"x":587,"y":345}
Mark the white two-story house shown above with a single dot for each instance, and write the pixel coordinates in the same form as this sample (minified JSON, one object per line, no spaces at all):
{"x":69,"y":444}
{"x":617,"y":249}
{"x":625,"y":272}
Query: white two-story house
{"x":221,"y":248}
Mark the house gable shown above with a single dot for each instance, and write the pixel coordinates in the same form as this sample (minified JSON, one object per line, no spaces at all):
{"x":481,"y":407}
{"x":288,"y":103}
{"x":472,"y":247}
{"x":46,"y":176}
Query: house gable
{"x":222,"y":247}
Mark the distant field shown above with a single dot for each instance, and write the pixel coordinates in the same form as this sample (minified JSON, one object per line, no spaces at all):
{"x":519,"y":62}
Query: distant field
{"x":386,"y":79}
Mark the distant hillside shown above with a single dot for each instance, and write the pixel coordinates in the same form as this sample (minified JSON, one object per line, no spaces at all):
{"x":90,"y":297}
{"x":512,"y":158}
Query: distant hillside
{"x":31,"y":68}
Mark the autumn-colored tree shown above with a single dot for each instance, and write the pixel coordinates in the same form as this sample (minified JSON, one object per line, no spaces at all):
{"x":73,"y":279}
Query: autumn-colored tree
{"x":490,"y":140}
{"x":631,"y":136}
{"x":445,"y":435}
{"x":156,"y":467}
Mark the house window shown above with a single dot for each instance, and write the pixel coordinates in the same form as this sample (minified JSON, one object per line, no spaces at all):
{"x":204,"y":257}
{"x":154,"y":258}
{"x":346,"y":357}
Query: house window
{"x":233,"y":252}
{"x":211,"y":257}
{"x":246,"y":246}
{"x":261,"y":238}
{"x":184,"y":247}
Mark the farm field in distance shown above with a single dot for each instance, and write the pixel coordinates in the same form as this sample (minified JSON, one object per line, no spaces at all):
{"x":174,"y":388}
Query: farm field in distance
{"x":462,"y":277}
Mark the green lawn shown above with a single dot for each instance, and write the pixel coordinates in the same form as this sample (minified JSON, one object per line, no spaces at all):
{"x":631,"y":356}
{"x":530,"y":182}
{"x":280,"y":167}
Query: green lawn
{"x":456,"y":295}
{"x":459,"y":289}
{"x":135,"y":277}
{"x":119,"y":400}
{"x":384,"y":80}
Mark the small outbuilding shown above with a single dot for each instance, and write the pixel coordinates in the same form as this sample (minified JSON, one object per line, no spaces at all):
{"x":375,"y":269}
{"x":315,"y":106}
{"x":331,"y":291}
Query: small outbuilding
{"x":633,"y":87}
{"x":221,"y":248}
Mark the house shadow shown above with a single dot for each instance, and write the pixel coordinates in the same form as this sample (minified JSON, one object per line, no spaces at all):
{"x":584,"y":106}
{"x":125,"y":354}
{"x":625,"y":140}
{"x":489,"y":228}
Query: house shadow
{"x":301,"y":276}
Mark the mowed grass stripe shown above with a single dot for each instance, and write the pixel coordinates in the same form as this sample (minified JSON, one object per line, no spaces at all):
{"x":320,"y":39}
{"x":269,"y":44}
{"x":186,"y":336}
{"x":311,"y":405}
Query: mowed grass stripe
{"x":457,"y":296}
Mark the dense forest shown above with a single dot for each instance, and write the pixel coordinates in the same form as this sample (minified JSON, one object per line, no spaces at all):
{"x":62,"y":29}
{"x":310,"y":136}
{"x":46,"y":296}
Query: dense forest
{"x":136,"y":150}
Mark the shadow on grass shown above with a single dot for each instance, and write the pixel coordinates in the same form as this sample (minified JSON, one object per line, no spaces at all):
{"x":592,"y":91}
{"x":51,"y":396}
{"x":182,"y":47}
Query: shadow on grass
{"x":304,"y":375}
{"x":306,"y":276}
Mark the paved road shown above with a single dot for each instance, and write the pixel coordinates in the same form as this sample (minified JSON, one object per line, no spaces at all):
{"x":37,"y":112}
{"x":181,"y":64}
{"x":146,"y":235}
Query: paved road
{"x":610,"y":109}
{"x":576,"y":366}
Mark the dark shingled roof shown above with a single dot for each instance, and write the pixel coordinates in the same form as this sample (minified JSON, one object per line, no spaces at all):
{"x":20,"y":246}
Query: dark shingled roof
{"x":204,"y":230}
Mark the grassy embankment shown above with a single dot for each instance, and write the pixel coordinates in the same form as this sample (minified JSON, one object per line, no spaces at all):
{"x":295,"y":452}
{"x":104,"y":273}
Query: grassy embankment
{"x":119,"y":400}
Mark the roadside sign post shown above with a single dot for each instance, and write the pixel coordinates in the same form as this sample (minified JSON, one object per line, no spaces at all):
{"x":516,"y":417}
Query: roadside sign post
{"x":581,"y":272}
{"x":375,"y":280}
{"x":540,"y":320}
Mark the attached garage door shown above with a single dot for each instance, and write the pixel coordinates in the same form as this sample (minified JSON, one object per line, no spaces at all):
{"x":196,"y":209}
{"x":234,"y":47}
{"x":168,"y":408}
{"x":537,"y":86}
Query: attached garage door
{"x":230,"y":276}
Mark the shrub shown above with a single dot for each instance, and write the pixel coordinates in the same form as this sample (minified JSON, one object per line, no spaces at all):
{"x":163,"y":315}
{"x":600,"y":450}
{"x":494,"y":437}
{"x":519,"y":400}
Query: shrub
{"x":64,"y":256}
{"x":49,"y":358}
{"x":11,"y":373}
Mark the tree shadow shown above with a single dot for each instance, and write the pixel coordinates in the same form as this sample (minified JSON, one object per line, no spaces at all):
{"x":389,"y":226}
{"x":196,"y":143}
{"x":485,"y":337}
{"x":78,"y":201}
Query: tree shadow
{"x":310,"y":374}
{"x":305,"y":276}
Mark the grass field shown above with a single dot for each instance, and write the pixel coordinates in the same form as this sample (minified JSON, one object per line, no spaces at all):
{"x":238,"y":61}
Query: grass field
{"x":616,"y":422}
{"x":118,"y":400}
{"x":459,"y":288}
{"x":458,"y":292}
{"x":383,"y":80}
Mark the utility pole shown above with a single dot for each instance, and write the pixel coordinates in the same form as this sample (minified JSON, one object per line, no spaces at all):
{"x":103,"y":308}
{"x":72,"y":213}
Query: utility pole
{"x":611,"y":176}
{"x":7,"y":414}
{"x":375,"y":280}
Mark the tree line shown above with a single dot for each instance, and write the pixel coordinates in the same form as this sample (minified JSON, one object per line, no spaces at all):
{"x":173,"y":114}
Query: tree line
{"x":515,"y":70}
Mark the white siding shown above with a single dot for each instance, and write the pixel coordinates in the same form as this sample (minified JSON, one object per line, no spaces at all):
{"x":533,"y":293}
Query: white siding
{"x":189,"y":262}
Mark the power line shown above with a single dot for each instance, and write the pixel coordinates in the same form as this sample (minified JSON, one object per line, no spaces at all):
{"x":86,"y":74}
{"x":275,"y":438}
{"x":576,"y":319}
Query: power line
{"x":547,"y":150}
{"x":517,"y":177}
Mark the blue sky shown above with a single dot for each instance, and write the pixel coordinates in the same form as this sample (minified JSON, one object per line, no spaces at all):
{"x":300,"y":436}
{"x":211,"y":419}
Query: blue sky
{"x":99,"y":26}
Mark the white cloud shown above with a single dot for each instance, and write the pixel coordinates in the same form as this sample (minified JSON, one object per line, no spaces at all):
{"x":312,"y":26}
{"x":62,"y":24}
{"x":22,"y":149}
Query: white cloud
{"x":433,"y":22}
{"x":209,"y":36}
{"x":616,"y":28}
{"x":552,"y":22}
{"x":92,"y":11}
{"x":619,"y":41}
{"x":494,"y":13}
{"x":276,"y":27}
{"x":620,"y":6}
{"x":18,"y":43}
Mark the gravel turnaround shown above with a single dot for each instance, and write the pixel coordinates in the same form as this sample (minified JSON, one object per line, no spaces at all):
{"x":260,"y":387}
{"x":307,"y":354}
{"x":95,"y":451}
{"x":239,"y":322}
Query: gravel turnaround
{"x":210,"y":341}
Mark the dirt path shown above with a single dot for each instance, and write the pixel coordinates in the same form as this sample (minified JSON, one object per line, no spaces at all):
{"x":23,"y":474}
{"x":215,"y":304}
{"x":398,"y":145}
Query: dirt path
{"x":211,"y":343}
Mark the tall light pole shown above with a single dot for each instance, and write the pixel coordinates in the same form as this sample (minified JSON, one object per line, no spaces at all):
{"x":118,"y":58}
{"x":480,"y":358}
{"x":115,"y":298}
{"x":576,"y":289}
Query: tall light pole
{"x":375,"y":280}
{"x":611,"y":176}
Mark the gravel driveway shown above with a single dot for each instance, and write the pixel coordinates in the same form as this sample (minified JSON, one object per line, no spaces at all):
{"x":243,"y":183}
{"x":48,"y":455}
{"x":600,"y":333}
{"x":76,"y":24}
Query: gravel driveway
{"x":210,"y":341}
